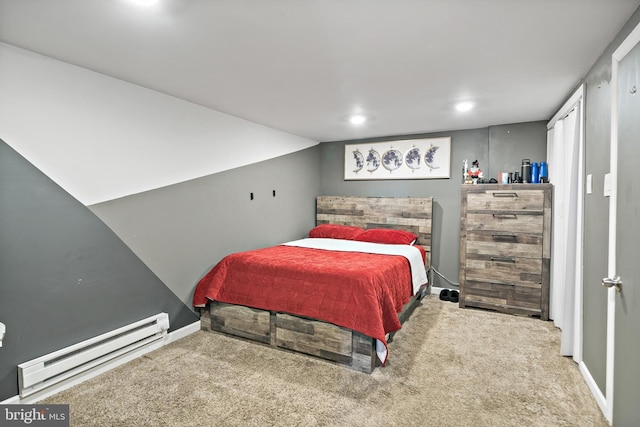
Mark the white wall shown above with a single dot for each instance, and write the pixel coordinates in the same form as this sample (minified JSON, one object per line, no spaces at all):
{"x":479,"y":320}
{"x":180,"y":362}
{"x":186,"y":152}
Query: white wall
{"x":101,"y":138}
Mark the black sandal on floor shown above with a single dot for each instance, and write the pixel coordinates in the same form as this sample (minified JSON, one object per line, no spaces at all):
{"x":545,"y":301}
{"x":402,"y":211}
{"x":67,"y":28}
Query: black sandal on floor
{"x":444,"y":295}
{"x":454,"y":296}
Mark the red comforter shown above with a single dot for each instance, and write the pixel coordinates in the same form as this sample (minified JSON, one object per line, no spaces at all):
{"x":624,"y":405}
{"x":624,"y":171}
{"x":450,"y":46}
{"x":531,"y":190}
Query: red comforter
{"x":360,"y":291}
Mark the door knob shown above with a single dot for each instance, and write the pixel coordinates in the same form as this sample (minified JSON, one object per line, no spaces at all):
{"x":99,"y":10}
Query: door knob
{"x":608,"y":282}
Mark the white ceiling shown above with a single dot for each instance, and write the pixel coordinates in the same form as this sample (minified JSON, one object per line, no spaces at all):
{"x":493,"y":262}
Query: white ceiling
{"x":303,"y":66}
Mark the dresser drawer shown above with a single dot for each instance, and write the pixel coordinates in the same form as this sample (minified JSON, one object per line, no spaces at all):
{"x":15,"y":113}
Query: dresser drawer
{"x":313,"y":337}
{"x":503,"y":244}
{"x":527,"y":299}
{"x":507,"y":222}
{"x":503,"y":270}
{"x":506,"y":200}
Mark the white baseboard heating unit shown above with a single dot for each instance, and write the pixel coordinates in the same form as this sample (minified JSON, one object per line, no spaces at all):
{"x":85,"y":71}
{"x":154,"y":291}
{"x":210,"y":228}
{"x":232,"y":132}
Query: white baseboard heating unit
{"x":90,"y":355}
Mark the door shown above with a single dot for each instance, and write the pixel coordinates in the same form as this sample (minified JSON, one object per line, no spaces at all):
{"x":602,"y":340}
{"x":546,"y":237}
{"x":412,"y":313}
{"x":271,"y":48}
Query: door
{"x":623,"y":389}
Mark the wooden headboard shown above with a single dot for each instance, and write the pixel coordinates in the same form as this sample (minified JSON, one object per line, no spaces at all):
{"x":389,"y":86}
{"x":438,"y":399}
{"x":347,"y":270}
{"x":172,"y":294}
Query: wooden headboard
{"x":401,"y":213}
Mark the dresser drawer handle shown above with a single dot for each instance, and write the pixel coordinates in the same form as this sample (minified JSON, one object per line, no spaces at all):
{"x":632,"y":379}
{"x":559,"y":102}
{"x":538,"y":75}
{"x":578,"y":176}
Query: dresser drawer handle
{"x":504,"y":237}
{"x":503,"y":284}
{"x":505,"y":194}
{"x":510,"y":216}
{"x":503,"y":259}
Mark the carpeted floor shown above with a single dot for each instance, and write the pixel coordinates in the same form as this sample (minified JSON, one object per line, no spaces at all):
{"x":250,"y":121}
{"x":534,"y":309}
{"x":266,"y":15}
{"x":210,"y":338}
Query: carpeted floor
{"x":447,"y":367}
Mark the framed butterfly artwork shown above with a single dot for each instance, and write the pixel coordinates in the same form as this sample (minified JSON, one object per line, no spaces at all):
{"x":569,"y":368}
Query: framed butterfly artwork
{"x":425,"y":158}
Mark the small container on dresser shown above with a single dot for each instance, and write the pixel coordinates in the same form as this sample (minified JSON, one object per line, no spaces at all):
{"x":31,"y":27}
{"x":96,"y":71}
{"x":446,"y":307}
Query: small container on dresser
{"x":505,"y":248}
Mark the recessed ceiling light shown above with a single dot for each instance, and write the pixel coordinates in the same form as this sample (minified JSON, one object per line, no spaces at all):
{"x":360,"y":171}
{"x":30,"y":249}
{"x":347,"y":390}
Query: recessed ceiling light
{"x":464,"y":106}
{"x":357,"y":119}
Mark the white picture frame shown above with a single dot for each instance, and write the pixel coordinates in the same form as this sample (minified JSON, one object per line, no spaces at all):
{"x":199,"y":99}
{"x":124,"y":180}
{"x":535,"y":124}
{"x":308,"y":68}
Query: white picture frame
{"x":427,"y":158}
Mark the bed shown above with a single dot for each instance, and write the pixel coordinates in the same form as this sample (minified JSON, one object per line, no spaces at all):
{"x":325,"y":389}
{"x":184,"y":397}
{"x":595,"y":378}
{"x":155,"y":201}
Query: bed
{"x":340,"y":294}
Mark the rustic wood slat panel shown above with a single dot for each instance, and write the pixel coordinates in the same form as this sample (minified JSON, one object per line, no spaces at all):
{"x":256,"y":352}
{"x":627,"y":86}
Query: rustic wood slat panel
{"x":413,"y":222}
{"x":532,"y":277}
{"x":505,"y":237}
{"x":511,"y":222}
{"x":241,"y":321}
{"x":364,"y":357}
{"x":205,"y":319}
{"x":496,"y":269}
{"x":363,"y":344}
{"x":272,"y":329}
{"x":510,"y":200}
{"x":499,"y":290}
{"x":340,"y":219}
{"x":312,"y":337}
{"x":345,"y":212}
{"x":503,"y":307}
{"x":476,"y":298}
{"x":403,"y":213}
{"x":503,"y":288}
{"x":294,"y":324}
{"x":546,"y":249}
{"x":528,"y":297}
{"x":504,"y":277}
{"x":504,"y":249}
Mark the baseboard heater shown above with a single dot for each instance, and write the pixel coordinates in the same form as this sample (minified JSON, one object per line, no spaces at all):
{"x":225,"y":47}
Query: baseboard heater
{"x":62,"y":365}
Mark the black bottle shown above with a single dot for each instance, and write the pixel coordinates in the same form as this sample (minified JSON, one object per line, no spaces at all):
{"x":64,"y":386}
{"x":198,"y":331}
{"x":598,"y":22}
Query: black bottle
{"x":525,"y":173}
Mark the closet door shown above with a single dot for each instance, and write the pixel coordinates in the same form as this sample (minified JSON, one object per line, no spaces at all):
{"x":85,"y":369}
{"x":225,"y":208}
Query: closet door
{"x":625,"y":235}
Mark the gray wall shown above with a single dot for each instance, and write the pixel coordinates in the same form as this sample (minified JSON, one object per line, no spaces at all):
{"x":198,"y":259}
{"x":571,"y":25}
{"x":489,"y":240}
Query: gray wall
{"x":497,"y":148}
{"x":596,"y":219}
{"x":181,"y":231}
{"x":509,"y":144}
{"x":64,"y":275}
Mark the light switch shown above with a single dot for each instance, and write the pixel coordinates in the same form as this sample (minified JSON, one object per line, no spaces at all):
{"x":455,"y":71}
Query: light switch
{"x":3,"y":329}
{"x":589,"y":184}
{"x":607,"y":185}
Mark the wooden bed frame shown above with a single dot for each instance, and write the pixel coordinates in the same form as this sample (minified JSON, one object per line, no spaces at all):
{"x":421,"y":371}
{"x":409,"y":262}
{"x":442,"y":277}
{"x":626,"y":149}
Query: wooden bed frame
{"x":314,"y":337}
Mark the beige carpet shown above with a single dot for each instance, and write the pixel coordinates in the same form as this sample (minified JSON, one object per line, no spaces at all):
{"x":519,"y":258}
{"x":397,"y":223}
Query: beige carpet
{"x":447,"y":367}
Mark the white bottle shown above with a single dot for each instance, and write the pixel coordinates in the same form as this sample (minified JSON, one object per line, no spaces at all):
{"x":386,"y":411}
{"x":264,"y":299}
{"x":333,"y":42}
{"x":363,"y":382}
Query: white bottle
{"x":465,"y":170}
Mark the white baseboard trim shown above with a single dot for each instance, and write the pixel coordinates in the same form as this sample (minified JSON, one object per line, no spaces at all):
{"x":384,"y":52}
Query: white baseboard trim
{"x":183,"y":332}
{"x":57,"y":388}
{"x":436,"y":291}
{"x":595,"y":390}
{"x":11,"y":401}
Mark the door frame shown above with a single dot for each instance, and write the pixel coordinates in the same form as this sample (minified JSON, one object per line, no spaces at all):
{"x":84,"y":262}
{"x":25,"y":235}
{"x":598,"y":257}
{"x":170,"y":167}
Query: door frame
{"x":625,"y":47}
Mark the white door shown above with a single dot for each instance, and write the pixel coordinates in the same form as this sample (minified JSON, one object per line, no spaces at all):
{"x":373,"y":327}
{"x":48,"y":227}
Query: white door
{"x":623,"y":350}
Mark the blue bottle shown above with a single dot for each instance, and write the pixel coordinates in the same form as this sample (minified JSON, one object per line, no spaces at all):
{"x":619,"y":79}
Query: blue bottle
{"x":535,"y":173}
{"x":544,"y":172}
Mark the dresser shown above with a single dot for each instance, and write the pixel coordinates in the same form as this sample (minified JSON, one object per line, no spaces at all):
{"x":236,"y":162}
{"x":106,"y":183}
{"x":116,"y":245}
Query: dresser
{"x":505,"y":248}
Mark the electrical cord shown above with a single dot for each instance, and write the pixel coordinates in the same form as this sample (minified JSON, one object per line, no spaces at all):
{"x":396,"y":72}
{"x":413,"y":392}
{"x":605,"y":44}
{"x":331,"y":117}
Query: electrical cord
{"x":442,"y":276}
